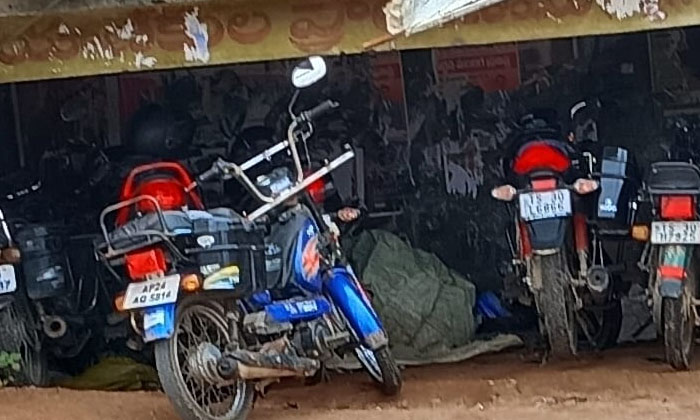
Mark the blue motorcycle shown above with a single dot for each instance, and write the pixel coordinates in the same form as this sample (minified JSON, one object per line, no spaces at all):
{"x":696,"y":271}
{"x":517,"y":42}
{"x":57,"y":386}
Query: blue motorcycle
{"x":234,"y":302}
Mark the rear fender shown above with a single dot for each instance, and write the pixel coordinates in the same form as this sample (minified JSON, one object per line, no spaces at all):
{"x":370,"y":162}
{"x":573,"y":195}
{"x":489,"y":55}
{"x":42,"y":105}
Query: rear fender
{"x":672,"y":270}
{"x":547,"y":234}
{"x":348,"y":295}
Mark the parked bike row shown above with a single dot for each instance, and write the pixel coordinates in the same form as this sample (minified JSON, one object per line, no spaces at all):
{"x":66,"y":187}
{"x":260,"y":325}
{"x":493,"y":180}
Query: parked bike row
{"x":577,"y":213}
{"x":230,"y":301}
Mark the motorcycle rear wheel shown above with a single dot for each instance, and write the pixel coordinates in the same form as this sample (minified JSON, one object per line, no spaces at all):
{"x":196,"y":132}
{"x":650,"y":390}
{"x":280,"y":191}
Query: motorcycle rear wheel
{"x":17,"y":335}
{"x":382,"y":368}
{"x":679,"y":324}
{"x":555,"y":304}
{"x":199,"y":321}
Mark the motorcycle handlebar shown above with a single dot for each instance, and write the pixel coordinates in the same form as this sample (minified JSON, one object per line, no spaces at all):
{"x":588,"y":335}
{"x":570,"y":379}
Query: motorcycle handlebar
{"x":209,"y":174}
{"x":319,"y":110}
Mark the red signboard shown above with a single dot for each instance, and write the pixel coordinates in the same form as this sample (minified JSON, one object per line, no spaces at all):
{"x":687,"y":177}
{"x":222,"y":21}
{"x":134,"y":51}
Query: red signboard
{"x":387,"y":76}
{"x":493,"y":68}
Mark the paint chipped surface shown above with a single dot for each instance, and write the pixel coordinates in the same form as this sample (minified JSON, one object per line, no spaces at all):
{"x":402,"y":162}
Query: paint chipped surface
{"x":126,"y":32}
{"x":197,"y":32}
{"x":141,"y":60}
{"x":623,"y":9}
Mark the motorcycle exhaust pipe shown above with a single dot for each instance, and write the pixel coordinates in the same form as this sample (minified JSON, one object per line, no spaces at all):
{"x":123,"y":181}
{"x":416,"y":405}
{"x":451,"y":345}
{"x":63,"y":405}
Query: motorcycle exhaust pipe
{"x":55,"y":327}
{"x":209,"y":365}
{"x":598,"y":279}
{"x":243,"y":364}
{"x":230,"y":369}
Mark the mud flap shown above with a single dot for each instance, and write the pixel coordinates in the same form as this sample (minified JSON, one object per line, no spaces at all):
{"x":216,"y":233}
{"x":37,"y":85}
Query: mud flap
{"x":158,"y":322}
{"x":349,"y":297}
{"x":673,"y":264}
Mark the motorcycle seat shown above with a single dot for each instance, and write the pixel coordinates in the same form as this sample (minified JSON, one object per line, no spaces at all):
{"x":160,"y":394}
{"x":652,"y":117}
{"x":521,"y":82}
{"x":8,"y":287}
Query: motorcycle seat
{"x":176,"y":223}
{"x":226,"y":213}
{"x":669,"y":177}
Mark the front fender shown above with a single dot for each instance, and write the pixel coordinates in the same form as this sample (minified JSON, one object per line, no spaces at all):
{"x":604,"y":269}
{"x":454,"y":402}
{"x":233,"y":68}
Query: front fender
{"x":347,"y":294}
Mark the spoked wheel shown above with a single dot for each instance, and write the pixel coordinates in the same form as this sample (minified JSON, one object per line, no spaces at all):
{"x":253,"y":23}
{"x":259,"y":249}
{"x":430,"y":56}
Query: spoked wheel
{"x":382,"y":368}
{"x":555,"y":304}
{"x":199,"y":323}
{"x":17,"y":336}
{"x":602,"y":325}
{"x":679,"y":319}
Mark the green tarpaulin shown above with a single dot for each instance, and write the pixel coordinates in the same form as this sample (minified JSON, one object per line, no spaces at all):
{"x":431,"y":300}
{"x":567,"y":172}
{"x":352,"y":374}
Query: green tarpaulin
{"x":425,"y":306}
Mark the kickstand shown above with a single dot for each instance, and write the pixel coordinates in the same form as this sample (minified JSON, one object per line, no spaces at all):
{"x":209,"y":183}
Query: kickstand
{"x":261,"y":386}
{"x":643,"y":327}
{"x":322,"y":375}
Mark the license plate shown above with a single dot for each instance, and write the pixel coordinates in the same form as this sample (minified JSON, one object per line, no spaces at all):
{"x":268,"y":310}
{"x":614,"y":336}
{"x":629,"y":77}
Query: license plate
{"x":152,"y":292}
{"x":8,"y":280}
{"x":545,"y":205}
{"x":677,"y":233}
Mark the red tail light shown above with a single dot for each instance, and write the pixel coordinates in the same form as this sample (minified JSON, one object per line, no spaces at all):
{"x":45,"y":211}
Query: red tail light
{"x":544,"y":184}
{"x":540,"y":156}
{"x":317,"y":191}
{"x":141,"y":264}
{"x":169,"y":194}
{"x":677,"y":207}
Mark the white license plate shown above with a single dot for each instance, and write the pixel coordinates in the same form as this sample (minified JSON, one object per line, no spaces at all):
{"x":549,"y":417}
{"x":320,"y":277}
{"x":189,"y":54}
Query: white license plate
{"x":676,"y":233}
{"x":545,"y":205}
{"x":8,"y":280}
{"x":153,"y":292}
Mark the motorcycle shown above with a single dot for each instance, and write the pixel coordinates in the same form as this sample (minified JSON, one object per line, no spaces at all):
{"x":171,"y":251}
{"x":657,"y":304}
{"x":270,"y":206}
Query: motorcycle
{"x":18,"y":325}
{"x":51,"y":305}
{"x":557,"y":243}
{"x":233,"y":302}
{"x":673,"y":188}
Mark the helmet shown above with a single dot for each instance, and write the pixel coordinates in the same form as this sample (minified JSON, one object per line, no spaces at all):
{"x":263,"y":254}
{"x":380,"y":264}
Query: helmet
{"x":155,"y":131}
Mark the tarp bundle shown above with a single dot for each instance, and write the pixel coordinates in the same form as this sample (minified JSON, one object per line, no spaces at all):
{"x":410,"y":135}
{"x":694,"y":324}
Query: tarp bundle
{"x":425,"y":306}
{"x":115,"y":374}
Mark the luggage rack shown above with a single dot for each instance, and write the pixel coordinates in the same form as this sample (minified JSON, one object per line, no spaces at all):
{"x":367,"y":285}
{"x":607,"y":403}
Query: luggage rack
{"x":111,"y":252}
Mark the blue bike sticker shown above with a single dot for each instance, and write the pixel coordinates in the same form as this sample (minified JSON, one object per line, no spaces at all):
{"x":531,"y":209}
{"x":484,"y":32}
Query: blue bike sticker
{"x":158,"y":322}
{"x":307,"y":257}
{"x":298,"y":310}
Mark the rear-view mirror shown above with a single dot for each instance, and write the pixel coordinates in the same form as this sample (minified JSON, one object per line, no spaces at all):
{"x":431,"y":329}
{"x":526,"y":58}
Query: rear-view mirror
{"x":308,"y":72}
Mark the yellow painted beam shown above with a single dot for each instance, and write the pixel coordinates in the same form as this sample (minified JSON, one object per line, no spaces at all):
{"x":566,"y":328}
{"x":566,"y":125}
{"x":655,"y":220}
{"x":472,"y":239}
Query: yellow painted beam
{"x":119,"y":40}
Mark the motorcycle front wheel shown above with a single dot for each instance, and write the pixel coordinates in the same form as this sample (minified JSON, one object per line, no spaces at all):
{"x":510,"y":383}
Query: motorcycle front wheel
{"x":555,"y":304}
{"x":679,"y":319}
{"x":199,"y":322}
{"x":382,"y":368}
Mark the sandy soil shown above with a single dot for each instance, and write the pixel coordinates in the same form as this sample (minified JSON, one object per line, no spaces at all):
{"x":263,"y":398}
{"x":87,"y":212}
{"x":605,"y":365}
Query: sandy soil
{"x":627,"y":383}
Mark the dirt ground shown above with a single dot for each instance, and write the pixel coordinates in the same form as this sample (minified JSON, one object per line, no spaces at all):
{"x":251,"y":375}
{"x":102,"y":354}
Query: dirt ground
{"x":630,"y":383}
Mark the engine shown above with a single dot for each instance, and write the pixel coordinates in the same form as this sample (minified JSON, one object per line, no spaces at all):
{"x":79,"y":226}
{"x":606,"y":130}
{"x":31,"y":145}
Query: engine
{"x":315,"y":338}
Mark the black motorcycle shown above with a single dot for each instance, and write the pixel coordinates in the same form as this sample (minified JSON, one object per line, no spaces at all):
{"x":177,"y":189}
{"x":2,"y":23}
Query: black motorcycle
{"x":673,"y":189}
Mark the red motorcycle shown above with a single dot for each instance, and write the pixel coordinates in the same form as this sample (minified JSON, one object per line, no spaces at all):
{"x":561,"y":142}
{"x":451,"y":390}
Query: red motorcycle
{"x":556,"y":251}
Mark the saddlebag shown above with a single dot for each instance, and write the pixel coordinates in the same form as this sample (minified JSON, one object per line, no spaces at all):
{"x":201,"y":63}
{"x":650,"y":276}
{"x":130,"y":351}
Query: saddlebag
{"x":44,"y":261}
{"x":230,"y":254}
{"x":618,"y":187}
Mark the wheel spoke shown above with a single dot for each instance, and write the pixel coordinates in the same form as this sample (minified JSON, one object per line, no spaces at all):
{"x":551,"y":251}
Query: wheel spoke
{"x":197,"y":325}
